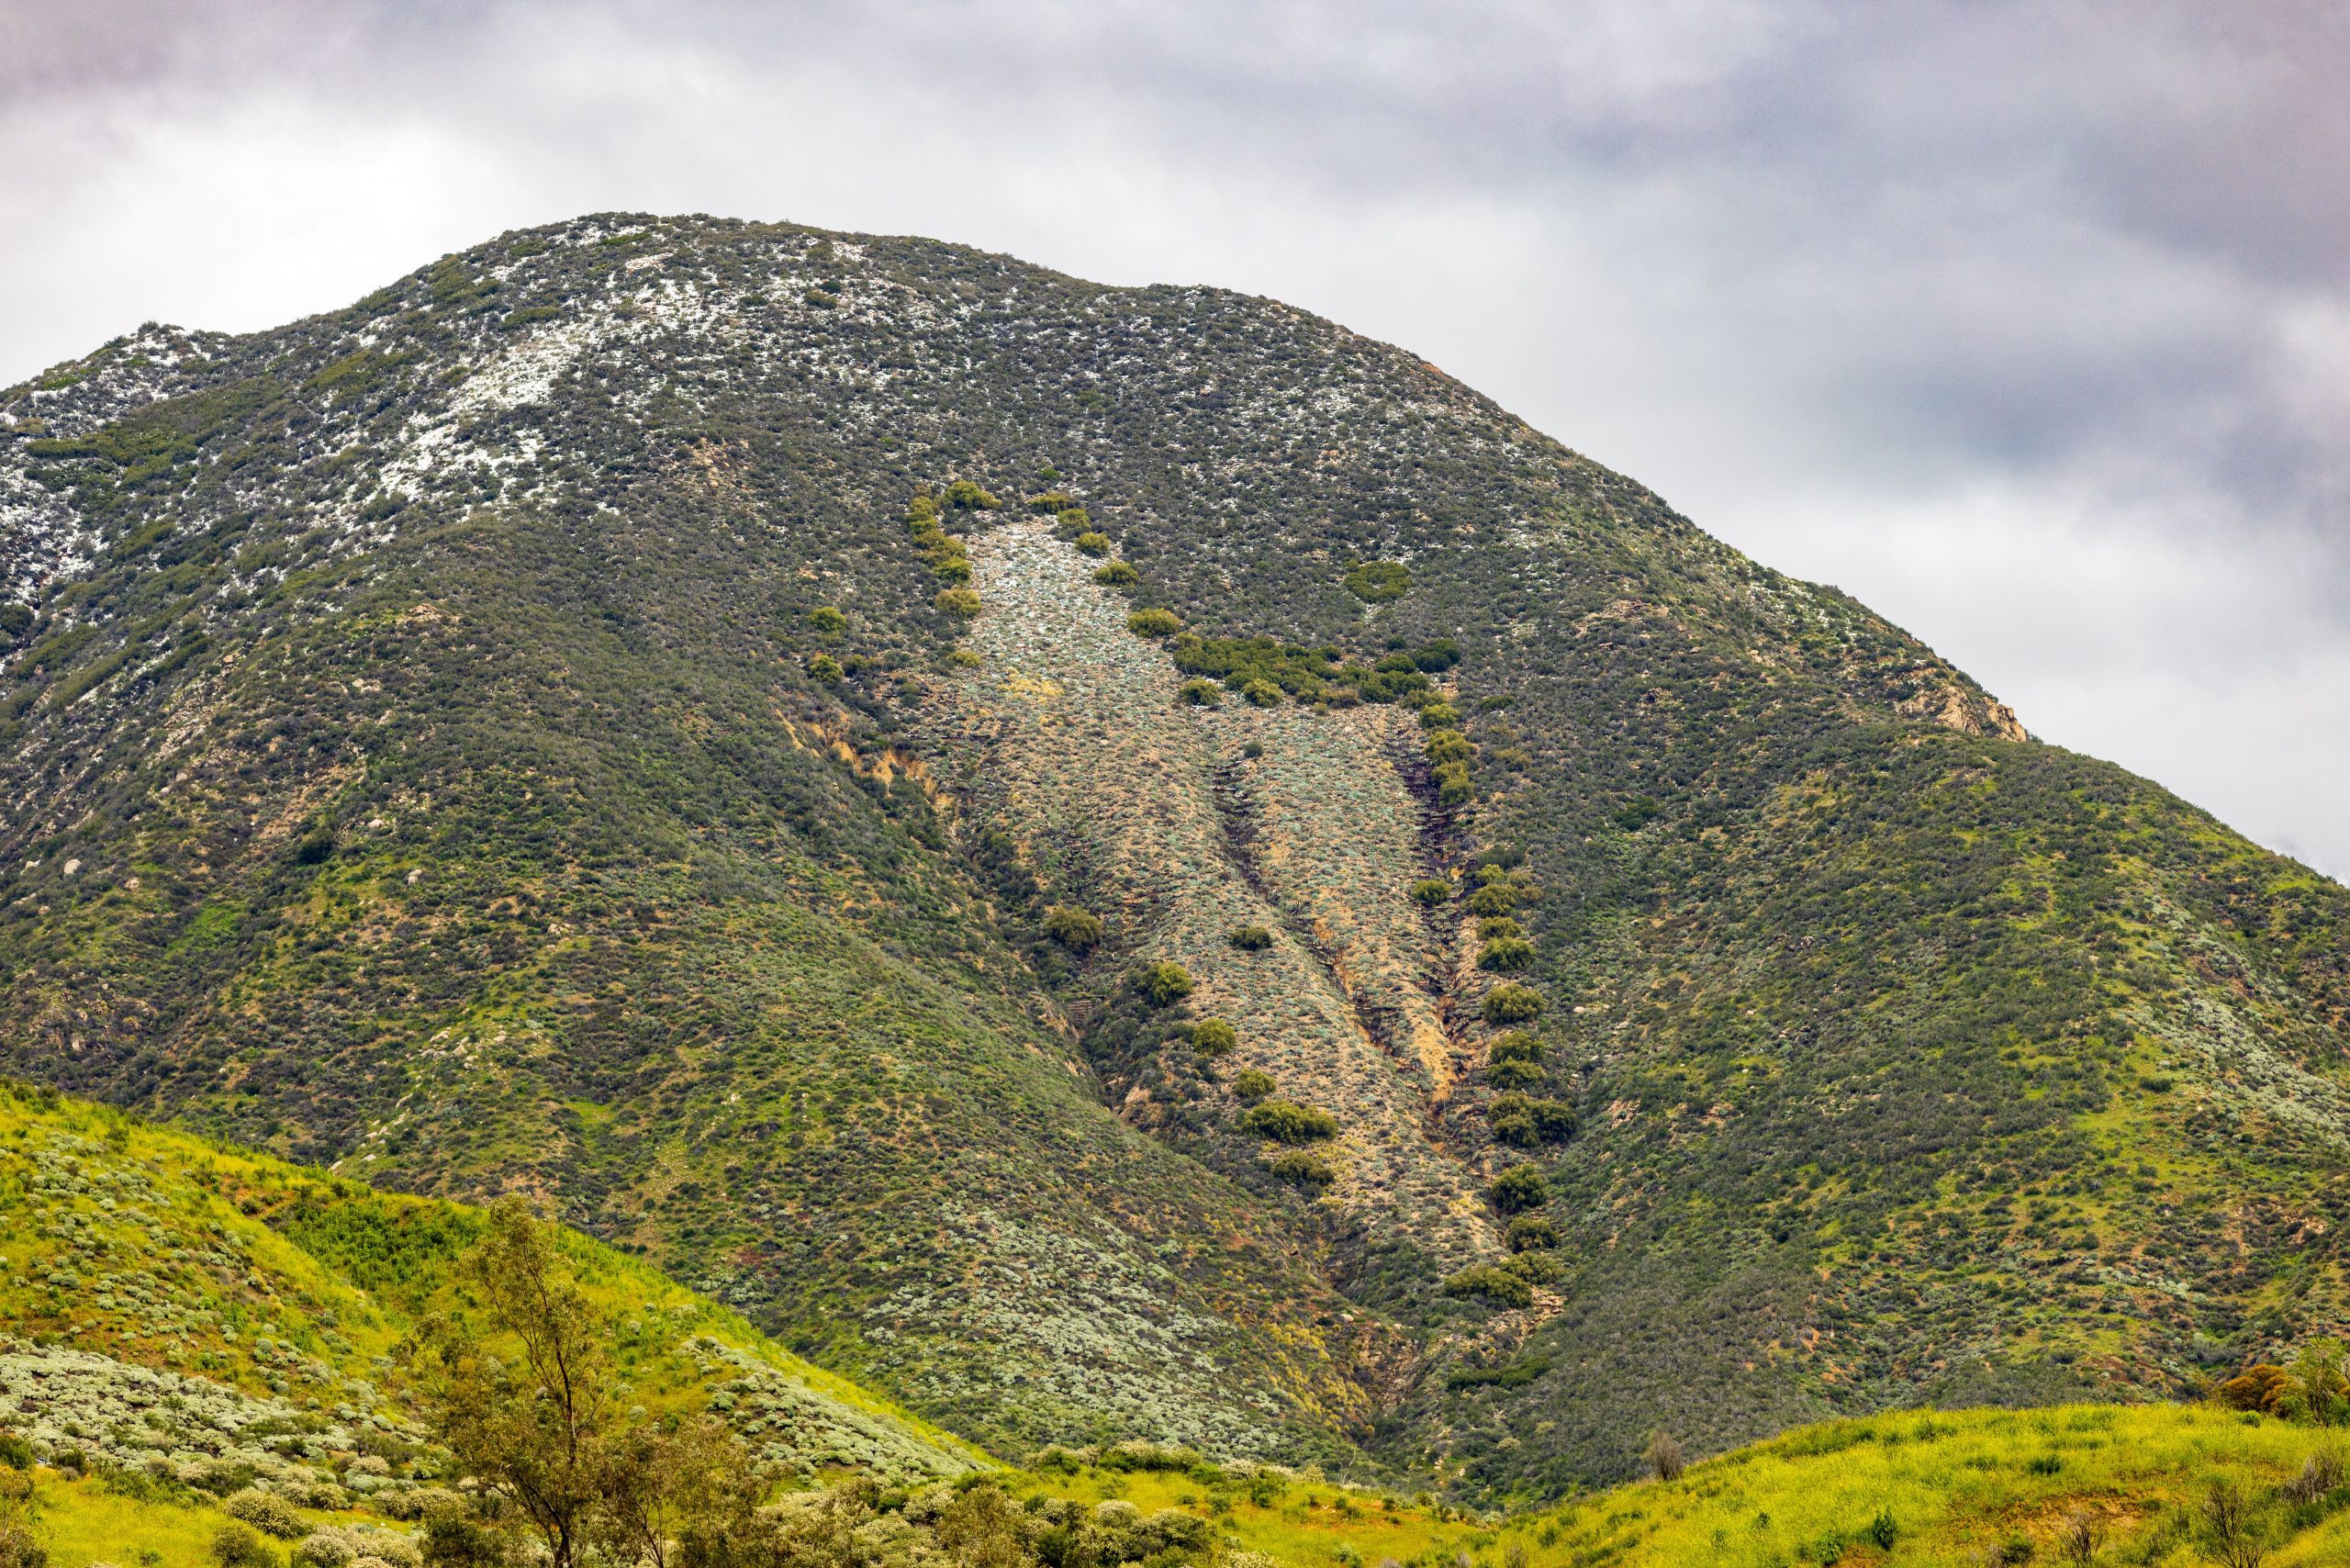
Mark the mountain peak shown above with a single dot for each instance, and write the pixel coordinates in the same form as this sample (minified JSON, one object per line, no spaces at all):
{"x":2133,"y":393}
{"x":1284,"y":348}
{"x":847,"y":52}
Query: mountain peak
{"x":1118,"y":863}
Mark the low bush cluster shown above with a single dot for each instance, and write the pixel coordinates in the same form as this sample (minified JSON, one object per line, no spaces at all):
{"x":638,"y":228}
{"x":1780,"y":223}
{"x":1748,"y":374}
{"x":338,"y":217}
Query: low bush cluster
{"x":1306,"y":1169}
{"x":1515,"y":1119}
{"x":1284,"y":1121}
{"x":1514,"y":1061}
{"x":1214,"y":1037}
{"x":1531,"y":1233}
{"x":1310,"y":674}
{"x":1075,"y":929}
{"x":1163,"y":984}
{"x":1519,"y":1188}
{"x":1512,"y":1004}
{"x":945,"y":552}
{"x":1378,"y":582}
{"x":1488,"y":1281}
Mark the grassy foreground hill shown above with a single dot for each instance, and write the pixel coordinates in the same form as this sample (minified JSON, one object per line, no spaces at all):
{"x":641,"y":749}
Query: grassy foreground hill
{"x":204,"y":1316}
{"x":2069,"y":1484}
{"x":743,"y":729}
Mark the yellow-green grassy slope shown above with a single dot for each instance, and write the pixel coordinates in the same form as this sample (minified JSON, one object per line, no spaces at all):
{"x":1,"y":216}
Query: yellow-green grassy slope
{"x":1959,"y":1488}
{"x":151,"y":1272}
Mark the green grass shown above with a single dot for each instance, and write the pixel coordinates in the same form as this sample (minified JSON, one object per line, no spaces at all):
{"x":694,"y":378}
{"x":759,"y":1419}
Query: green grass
{"x":199,"y":1257}
{"x":1957,"y":1486}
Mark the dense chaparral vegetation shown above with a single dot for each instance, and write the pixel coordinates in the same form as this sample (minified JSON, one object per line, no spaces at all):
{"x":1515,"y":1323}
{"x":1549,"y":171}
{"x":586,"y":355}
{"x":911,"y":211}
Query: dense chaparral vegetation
{"x":1121,"y":865}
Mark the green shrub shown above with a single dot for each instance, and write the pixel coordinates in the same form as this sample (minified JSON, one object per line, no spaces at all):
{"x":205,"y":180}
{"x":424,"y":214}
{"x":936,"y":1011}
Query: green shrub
{"x":1117,"y":574}
{"x":1377,"y":582}
{"x":1512,"y":1074}
{"x":1638,"y":813}
{"x":1881,"y":1531}
{"x":1446,"y":745}
{"x":1214,"y":1037}
{"x":1093,"y":543}
{"x":1072,"y":523}
{"x":826,"y":669}
{"x":1309,"y":674}
{"x":1052,"y":501}
{"x":1493,"y":898}
{"x":1249,"y":938}
{"x":15,"y":1451}
{"x":1485,"y":1281}
{"x":1494,"y":927}
{"x":1262,"y":693}
{"x":1251,"y":1085}
{"x":1554,"y":1120}
{"x":1201,"y":693}
{"x":1519,"y":1188}
{"x":1537,"y":1267}
{"x":1154,"y":623}
{"x":960,"y":603}
{"x":1284,"y":1121}
{"x":1439,"y":716}
{"x":1515,"y":1119}
{"x":826,"y":620}
{"x":266,"y":1512}
{"x":1513,"y":1374}
{"x":1516,"y":1045}
{"x":1438,"y":656}
{"x":1506,"y":955}
{"x":963,"y":494}
{"x":1507,"y":1119}
{"x":1531,"y":1233}
{"x":1431,"y":891}
{"x":1074,"y":929}
{"x":15,"y":620}
{"x":1453,"y":784}
{"x":922,"y":508}
{"x":1512,"y":1004}
{"x":235,"y":1545}
{"x":1307,"y":1170}
{"x":452,"y":1541}
{"x":1163,"y":984}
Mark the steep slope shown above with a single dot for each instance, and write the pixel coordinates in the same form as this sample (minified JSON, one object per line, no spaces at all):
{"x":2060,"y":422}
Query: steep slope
{"x":1129,"y":798}
{"x":509,"y":731}
{"x":170,"y":1302}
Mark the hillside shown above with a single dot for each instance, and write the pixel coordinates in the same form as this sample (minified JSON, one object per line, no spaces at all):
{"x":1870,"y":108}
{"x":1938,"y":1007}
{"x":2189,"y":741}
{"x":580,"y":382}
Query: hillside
{"x":169,"y":1302}
{"x":1954,"y":1490}
{"x":719,"y":722}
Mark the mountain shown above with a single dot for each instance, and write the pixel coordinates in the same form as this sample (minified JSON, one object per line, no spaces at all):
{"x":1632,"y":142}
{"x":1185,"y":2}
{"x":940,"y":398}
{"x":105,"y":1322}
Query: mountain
{"x":1121,"y":863}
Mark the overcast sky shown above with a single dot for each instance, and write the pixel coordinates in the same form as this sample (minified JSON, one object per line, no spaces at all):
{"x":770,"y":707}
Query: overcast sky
{"x":2029,"y":325}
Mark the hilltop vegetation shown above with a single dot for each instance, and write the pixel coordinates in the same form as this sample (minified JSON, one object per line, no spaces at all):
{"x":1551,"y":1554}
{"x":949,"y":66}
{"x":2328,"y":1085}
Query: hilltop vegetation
{"x":738,"y":728}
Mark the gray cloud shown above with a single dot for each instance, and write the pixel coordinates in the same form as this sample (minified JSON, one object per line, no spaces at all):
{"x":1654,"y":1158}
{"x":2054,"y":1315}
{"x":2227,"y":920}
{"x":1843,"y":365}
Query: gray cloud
{"x":2028,"y":323}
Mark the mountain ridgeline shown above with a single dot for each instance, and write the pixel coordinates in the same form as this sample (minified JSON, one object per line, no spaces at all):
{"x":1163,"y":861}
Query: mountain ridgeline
{"x":1121,"y":864}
